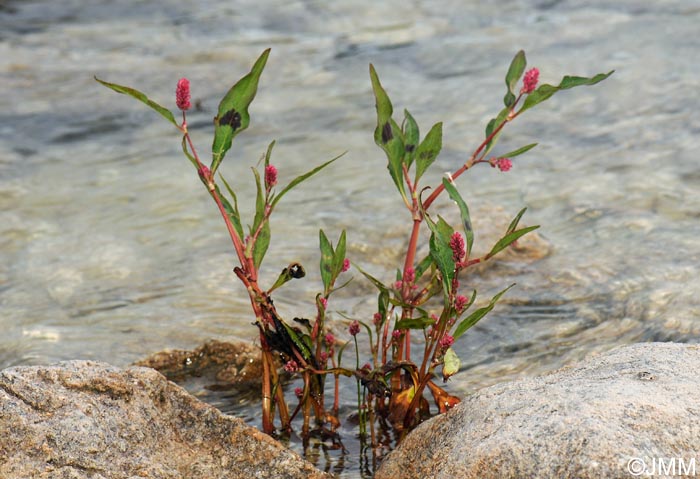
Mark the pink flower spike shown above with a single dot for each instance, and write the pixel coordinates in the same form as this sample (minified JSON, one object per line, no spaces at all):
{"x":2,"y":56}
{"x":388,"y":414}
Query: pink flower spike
{"x":346,"y":265}
{"x":446,"y":341}
{"x":409,"y":275}
{"x":460,"y":303}
{"x":270,"y":176}
{"x":291,"y":366}
{"x":330,"y":339}
{"x":457,"y":245}
{"x":298,"y":392}
{"x":377,"y":318}
{"x":182,"y":94}
{"x":504,"y":164}
{"x":530,"y":80}
{"x":354,"y":328}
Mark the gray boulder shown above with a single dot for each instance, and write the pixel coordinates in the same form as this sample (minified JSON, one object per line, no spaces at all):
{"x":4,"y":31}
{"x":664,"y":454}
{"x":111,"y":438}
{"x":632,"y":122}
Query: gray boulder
{"x":632,"y":411}
{"x":83,"y":419}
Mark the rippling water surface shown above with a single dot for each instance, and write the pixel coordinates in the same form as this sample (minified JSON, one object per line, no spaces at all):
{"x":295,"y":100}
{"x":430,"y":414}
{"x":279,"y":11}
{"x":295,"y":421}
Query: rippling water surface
{"x":110,"y":248}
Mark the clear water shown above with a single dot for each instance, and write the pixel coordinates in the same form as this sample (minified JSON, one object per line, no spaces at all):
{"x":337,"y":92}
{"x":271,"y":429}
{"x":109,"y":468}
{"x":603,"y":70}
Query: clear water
{"x":110,"y":249}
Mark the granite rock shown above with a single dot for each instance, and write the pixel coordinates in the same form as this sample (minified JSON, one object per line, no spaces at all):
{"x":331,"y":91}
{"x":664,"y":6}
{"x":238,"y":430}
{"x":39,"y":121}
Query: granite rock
{"x":84,"y":419}
{"x":626,"y":412}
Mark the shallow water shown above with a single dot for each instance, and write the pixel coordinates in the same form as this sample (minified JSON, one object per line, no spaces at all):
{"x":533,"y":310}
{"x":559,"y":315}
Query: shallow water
{"x":111,"y":250}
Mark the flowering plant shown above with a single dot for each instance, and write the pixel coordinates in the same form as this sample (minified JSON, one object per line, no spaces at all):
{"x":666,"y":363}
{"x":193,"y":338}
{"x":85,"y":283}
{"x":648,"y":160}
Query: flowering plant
{"x":393,"y":383}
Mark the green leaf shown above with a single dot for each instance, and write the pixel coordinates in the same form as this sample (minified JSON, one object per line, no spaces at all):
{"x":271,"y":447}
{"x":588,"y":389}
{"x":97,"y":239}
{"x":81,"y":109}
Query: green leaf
{"x":516,"y":220}
{"x":545,"y":91}
{"x":441,"y":252}
{"x":378,"y":284}
{"x":261,"y":244}
{"x":387,"y":135}
{"x":508,"y":239}
{"x":382,"y":305}
{"x":464,"y":212}
{"x":519,"y":151}
{"x":474,"y":318}
{"x":470,"y":302}
{"x":411,"y":135}
{"x":259,"y":202}
{"x":231,"y":211}
{"x":301,"y":178}
{"x":293,"y":271}
{"x":423,"y":266}
{"x":414,"y":323}
{"x":233,"y":116}
{"x":339,"y":255}
{"x":167,"y":114}
{"x":268,"y":153}
{"x":492,"y":126}
{"x":515,"y":71}
{"x":451,"y":364}
{"x":428,"y":150}
{"x":327,"y":256}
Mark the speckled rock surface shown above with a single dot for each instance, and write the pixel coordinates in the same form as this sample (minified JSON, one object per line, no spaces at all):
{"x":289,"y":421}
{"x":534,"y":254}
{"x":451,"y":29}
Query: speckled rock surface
{"x":589,"y":420}
{"x":83,"y":419}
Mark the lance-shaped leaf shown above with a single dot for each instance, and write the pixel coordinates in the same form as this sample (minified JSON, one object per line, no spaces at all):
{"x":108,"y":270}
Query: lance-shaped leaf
{"x":261,"y":225}
{"x":339,"y":255}
{"x":231,"y":211}
{"x":261,"y":244}
{"x":474,"y":318}
{"x":327,"y":256}
{"x":545,"y":91}
{"x":428,"y":150}
{"x":463,"y":211}
{"x":301,"y":178}
{"x":423,"y":266}
{"x":167,"y":114}
{"x":382,"y":306}
{"x":259,"y":202}
{"x":388,"y":135}
{"x":508,"y":239}
{"x":493,"y":126}
{"x":293,"y":271}
{"x":268,"y":153}
{"x":441,"y":252}
{"x":233,"y":116}
{"x":519,"y":151}
{"x":516,"y":220}
{"x":414,"y":323}
{"x":378,"y":284}
{"x":451,"y":364}
{"x":515,"y":71}
{"x":411,"y":136}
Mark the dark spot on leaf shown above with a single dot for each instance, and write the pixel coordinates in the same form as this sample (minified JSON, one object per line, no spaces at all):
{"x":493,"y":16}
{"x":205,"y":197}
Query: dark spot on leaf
{"x":410,"y":148}
{"x":425,"y":155}
{"x":387,"y":135}
{"x":231,"y":118}
{"x":467,"y":225}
